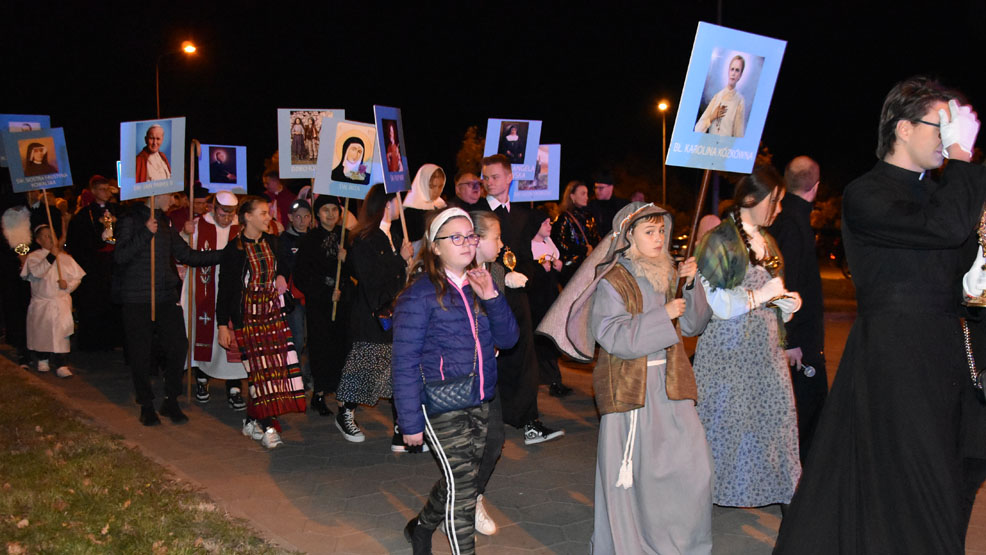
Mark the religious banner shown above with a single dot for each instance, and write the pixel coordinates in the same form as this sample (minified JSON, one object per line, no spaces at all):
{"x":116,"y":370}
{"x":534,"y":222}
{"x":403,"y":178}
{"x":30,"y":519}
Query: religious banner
{"x":37,"y":159}
{"x":547,"y":175}
{"x":517,"y":139}
{"x":223,"y":168}
{"x":724,"y":103}
{"x":152,"y":157}
{"x":347,"y":160}
{"x":393,"y":154}
{"x":298,"y":139}
{"x":15,"y":123}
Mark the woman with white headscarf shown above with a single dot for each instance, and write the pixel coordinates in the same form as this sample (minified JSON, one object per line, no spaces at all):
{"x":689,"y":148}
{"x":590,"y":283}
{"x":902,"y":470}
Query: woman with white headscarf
{"x":425,"y":195}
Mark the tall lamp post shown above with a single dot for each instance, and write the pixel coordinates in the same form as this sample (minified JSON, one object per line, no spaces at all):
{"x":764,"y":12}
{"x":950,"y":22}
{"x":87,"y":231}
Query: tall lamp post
{"x":663,"y":108}
{"x":188,"y":48}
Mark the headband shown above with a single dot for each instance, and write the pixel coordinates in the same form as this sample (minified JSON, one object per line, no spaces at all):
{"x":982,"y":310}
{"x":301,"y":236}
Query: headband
{"x":444,"y":216}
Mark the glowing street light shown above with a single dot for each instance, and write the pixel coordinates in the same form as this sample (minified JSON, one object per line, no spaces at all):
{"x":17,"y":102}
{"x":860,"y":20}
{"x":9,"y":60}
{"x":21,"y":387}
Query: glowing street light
{"x":188,"y":48}
{"x":662,"y":107}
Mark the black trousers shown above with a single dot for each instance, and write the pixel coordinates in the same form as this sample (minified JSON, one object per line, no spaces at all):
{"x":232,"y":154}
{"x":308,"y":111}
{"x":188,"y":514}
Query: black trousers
{"x":809,"y":397}
{"x":328,"y":344}
{"x":167,"y":334}
{"x":495,"y":436}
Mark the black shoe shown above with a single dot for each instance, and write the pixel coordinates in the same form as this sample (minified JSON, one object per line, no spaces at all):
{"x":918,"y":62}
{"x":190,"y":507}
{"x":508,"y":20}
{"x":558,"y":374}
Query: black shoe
{"x":318,"y":405}
{"x":559,"y":389}
{"x":171,"y":409}
{"x":419,"y":537}
{"x":536,"y":432}
{"x":397,"y":444}
{"x":235,"y":400}
{"x":202,"y":392}
{"x":148,"y":417}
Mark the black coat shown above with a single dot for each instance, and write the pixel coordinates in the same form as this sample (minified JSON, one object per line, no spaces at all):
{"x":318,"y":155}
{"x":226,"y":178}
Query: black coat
{"x":513,"y":225}
{"x":885,"y":473}
{"x":379,"y":273}
{"x":132,"y":279}
{"x":315,"y":265}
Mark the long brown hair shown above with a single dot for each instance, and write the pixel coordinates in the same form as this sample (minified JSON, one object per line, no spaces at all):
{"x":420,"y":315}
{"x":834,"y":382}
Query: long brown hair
{"x":428,"y":264}
{"x":372,"y":210}
{"x":247,"y":204}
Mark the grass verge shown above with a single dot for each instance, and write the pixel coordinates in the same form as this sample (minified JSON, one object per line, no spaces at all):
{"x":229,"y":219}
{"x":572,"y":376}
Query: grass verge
{"x":69,"y":487}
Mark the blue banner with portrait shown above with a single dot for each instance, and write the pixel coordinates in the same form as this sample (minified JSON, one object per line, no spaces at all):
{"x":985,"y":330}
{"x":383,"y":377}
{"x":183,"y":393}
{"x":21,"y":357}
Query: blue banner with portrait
{"x":37,"y":159}
{"x":16,"y":123}
{"x":152,"y":157}
{"x":517,"y":139}
{"x":547,"y":176}
{"x":392,"y":152}
{"x":347,"y":160}
{"x":223,"y":168}
{"x":724,"y":103}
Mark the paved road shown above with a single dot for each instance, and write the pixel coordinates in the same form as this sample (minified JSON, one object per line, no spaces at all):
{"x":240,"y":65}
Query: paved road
{"x":320,"y":494}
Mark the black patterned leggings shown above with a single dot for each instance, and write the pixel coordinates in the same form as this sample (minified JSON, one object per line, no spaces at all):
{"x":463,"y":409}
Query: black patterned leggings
{"x":458,"y":439}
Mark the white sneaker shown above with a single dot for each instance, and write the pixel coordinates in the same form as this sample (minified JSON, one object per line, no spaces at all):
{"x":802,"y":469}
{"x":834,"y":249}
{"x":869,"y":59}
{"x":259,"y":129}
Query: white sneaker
{"x":271,"y":438}
{"x":43,"y":366}
{"x":252,"y":430}
{"x":63,"y":372}
{"x":484,"y":523}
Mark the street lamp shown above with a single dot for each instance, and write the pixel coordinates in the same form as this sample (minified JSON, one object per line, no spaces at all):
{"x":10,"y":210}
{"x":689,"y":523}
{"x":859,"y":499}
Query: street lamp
{"x":663,"y":108}
{"x":188,"y":48}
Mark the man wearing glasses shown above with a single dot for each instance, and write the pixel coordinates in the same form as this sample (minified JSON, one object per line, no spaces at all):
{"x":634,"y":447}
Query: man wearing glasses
{"x":899,"y":452}
{"x":468,"y":191}
{"x":605,"y":206}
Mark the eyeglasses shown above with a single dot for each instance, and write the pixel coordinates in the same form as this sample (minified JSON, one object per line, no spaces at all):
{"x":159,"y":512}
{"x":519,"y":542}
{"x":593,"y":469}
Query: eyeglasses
{"x":458,"y":238}
{"x":938,"y":125}
{"x":471,"y":184}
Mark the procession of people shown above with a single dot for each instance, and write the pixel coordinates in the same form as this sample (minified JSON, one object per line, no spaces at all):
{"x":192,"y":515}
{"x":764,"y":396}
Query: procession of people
{"x":454,"y":309}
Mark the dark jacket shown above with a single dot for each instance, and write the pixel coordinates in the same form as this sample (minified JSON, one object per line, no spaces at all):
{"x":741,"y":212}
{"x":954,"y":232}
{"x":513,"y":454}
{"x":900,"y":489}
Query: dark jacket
{"x":287,"y":249}
{"x":132,"y":279}
{"x":379,"y":273}
{"x":438,"y":342}
{"x":604,"y":211}
{"x":232,"y":278}
{"x":512,"y":226}
{"x":315,"y":265}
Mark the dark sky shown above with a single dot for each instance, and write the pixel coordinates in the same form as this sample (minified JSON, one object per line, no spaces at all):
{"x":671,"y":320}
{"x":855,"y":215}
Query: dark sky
{"x":592,"y":72}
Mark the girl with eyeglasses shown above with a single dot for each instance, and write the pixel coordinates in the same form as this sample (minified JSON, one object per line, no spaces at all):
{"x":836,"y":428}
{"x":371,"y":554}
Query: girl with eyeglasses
{"x":447,"y":324}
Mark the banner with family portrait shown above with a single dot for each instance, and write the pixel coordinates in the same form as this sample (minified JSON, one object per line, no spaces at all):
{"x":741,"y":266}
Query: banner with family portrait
{"x":298,"y":139}
{"x":347,"y":159}
{"x":393,"y":154}
{"x":547,"y":175}
{"x":724,"y":103}
{"x":37,"y":159}
{"x":223,"y":168}
{"x":517,"y":139}
{"x":152,"y":157}
{"x":16,"y":123}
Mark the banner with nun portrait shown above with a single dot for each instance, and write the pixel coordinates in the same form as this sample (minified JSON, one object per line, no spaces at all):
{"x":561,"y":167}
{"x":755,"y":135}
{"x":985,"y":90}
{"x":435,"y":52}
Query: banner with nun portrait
{"x":152,"y":156}
{"x":299,"y":132}
{"x":37,"y":159}
{"x":516,"y":139}
{"x":347,"y":159}
{"x":723,"y":108}
{"x":16,"y":123}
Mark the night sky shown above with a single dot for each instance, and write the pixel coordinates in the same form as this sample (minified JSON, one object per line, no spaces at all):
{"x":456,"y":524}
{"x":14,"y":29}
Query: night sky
{"x":592,"y":74}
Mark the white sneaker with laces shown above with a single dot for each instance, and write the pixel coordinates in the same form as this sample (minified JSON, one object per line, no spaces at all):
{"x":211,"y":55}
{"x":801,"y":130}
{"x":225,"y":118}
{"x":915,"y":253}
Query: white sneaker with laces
{"x":43,"y":366}
{"x":484,"y":523}
{"x":63,"y":372}
{"x":271,"y":438}
{"x":252,"y":430}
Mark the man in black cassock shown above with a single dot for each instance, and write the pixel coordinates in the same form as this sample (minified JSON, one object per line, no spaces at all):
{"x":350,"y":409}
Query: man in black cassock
{"x":898,"y":454}
{"x":805,"y":333}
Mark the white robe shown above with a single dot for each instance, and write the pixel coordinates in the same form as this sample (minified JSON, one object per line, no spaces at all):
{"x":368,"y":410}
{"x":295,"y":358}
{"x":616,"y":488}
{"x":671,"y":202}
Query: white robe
{"x":157,"y":168}
{"x":49,"y":316}
{"x":219,"y":367}
{"x":731,"y":124}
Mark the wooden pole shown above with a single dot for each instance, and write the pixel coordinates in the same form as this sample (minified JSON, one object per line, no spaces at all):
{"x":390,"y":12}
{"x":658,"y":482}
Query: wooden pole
{"x":702,"y":192}
{"x":342,"y":243}
{"x":54,"y":236}
{"x":189,"y":272}
{"x":400,"y":208}
{"x":153,"y":291}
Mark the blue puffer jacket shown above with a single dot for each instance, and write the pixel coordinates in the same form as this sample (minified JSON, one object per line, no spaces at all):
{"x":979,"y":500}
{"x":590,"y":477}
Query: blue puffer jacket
{"x":428,"y":337}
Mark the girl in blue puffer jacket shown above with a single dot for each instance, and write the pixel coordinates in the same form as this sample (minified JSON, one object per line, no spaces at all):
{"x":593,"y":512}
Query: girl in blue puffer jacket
{"x":447,"y":324}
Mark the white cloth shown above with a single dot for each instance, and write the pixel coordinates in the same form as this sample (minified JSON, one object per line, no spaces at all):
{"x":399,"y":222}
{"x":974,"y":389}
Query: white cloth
{"x":731,"y":124}
{"x":494,"y":203}
{"x":546,"y":247}
{"x":420,"y":195}
{"x":49,"y":316}
{"x":219,"y":367}
{"x":157,"y":168}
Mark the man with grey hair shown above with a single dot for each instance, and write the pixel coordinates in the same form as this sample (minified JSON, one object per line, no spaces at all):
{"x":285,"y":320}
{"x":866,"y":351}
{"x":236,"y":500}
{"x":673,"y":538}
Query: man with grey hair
{"x":152,"y":164}
{"x":805,"y":331}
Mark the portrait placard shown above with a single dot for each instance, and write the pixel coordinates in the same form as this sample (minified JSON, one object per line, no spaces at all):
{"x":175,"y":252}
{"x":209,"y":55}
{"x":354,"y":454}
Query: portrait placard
{"x":298,"y":136}
{"x":392,"y":153}
{"x":223,"y":168}
{"x":16,"y":123}
{"x":724,"y":103}
{"x":38,"y":159}
{"x":547,"y":175}
{"x":152,"y":157}
{"x":347,"y":160}
{"x":516,"y":139}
